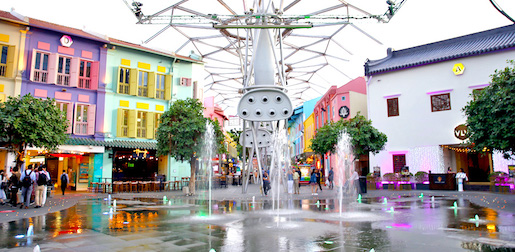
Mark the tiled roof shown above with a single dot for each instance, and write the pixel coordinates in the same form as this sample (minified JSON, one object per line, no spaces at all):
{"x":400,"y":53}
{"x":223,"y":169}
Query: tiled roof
{"x":64,"y":29}
{"x":8,"y":16}
{"x":143,"y":48}
{"x":129,"y":144}
{"x":470,"y":45}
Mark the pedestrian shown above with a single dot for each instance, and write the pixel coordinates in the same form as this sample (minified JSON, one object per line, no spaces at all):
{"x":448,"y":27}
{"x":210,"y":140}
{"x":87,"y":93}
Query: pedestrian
{"x":290,"y":181}
{"x":296,"y":181}
{"x":14,"y":184}
{"x":330,"y":178}
{"x":313,"y":182}
{"x":460,"y":176}
{"x":49,"y":183}
{"x":28,"y":177}
{"x":355,"y":180}
{"x":64,"y":181}
{"x":266,"y":183}
{"x":41,"y":182}
{"x":3,"y":186}
{"x":319,"y":177}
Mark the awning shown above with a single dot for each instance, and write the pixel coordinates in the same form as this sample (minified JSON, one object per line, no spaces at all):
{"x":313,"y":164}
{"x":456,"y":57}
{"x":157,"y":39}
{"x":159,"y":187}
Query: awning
{"x":128,"y":144}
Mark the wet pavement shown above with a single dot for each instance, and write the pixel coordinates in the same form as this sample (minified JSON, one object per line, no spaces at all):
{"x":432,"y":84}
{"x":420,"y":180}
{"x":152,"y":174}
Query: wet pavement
{"x":383,"y":220}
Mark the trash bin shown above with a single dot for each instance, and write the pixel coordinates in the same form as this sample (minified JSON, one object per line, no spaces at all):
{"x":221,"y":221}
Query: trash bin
{"x":363,"y":184}
{"x":185,"y":190}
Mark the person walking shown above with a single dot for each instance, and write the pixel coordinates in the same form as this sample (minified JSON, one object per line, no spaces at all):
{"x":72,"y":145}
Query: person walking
{"x":3,"y":186}
{"x":313,"y":182}
{"x":290,"y":181}
{"x":41,"y":181}
{"x":330,"y":178}
{"x":319,"y":177}
{"x":48,"y":183}
{"x":28,"y":177}
{"x":64,"y":181}
{"x":355,"y":180}
{"x":296,"y":181}
{"x":14,"y":183}
{"x":460,"y":176}
{"x":266,"y":183}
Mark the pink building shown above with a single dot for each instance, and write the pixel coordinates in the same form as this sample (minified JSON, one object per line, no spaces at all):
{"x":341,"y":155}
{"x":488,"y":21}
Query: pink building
{"x":214,"y":111}
{"x":342,"y":103}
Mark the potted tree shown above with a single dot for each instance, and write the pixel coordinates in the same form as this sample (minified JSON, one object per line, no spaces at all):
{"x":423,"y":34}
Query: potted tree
{"x":422,"y":180}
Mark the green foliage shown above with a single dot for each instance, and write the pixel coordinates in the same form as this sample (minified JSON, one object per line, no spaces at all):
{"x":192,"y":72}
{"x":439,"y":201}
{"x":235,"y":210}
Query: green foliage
{"x":421,"y":176}
{"x":490,"y":120}
{"x":219,"y":136}
{"x":181,"y":128}
{"x":235,"y":136}
{"x":365,"y":138}
{"x":28,"y":121}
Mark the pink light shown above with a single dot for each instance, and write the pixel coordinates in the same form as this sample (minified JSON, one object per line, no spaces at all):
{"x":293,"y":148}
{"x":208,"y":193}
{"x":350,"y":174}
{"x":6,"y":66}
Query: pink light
{"x":439,"y":92}
{"x":401,"y":225}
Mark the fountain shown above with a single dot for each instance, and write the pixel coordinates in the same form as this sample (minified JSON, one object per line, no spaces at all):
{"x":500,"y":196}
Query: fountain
{"x":344,"y":168}
{"x":30,"y":231}
{"x":207,"y":160}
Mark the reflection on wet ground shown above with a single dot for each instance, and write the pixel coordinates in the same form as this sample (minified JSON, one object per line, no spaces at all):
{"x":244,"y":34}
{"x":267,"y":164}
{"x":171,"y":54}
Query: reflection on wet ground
{"x":178,"y":224}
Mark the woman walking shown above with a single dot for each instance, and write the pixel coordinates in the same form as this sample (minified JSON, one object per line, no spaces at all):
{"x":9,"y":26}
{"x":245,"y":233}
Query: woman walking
{"x":313,"y":182}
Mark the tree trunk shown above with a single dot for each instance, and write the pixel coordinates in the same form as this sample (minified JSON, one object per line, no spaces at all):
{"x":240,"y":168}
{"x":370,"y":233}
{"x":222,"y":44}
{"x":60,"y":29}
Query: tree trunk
{"x":192,"y":178}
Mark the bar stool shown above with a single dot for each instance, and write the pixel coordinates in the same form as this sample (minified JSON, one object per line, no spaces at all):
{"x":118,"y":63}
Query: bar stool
{"x":144,"y":185}
{"x":166,"y":185}
{"x":156,"y":186}
{"x":133,"y":186}
{"x":176,"y":185}
{"x":126,"y":186}
{"x":185,"y":181}
{"x":95,"y":186}
{"x":117,"y":186}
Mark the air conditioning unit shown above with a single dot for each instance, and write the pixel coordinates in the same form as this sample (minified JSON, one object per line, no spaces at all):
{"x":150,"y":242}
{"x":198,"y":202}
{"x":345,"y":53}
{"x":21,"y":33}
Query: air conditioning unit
{"x":185,"y":81}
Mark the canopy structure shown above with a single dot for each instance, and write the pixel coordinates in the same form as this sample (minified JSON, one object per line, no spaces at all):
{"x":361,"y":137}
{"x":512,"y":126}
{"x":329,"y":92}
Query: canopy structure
{"x":316,"y":40}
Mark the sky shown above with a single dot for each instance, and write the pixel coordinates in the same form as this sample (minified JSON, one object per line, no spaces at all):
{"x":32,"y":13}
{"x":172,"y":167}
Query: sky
{"x":417,"y":22}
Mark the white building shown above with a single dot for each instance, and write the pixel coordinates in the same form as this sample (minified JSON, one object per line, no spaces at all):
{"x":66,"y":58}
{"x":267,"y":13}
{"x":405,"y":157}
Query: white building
{"x":416,"y":96}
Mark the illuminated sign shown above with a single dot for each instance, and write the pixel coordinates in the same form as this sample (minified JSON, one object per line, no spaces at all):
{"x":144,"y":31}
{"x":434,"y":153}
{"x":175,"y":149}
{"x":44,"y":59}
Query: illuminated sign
{"x":66,"y":41}
{"x":458,"y":69}
{"x":461,"y":132}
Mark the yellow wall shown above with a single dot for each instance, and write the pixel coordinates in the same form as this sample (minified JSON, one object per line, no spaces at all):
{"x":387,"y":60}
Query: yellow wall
{"x":309,"y":132}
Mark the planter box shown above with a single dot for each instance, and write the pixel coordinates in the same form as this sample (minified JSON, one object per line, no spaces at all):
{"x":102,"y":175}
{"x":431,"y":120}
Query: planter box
{"x":388,"y":186}
{"x":421,"y":186}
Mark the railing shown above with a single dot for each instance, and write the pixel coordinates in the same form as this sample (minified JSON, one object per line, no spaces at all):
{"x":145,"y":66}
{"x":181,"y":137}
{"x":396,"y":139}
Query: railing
{"x":84,"y":82}
{"x":63,"y":79}
{"x":123,"y":88}
{"x":40,"y":76}
{"x":3,"y":68}
{"x":142,"y":132}
{"x":81,"y":128}
{"x":125,"y":131}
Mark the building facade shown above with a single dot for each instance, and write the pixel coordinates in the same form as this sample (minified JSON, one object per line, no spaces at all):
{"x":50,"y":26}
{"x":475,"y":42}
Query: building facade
{"x":416,"y":96}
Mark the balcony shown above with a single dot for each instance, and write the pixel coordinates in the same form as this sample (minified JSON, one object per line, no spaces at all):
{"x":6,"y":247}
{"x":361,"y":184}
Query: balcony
{"x":3,"y":68}
{"x":40,"y":76}
{"x":81,"y":128}
{"x":63,"y":79}
{"x":84,"y":82}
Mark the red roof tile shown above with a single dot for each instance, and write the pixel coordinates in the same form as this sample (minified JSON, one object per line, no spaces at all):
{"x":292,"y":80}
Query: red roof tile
{"x":136,"y":46}
{"x":64,"y":29}
{"x":9,"y":16}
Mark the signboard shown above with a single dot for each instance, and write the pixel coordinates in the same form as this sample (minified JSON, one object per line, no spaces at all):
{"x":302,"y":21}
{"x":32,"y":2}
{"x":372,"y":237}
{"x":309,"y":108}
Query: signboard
{"x":344,"y":111}
{"x":440,"y":179}
{"x":66,"y":41}
{"x":458,"y":69}
{"x":511,"y":170}
{"x":83,"y":172}
{"x":461,"y":132}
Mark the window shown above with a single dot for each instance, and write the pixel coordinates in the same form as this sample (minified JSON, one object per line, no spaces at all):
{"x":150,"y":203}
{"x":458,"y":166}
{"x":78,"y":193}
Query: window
{"x":160,"y":86}
{"x":66,"y":107}
{"x":143,"y":83}
{"x":123,"y":80}
{"x":393,"y":106}
{"x":3,"y":61}
{"x":85,"y":74}
{"x":343,"y":98}
{"x":142,"y":124}
{"x":63,"y":71}
{"x":41,"y":67}
{"x":440,"y":102}
{"x":81,"y":119}
{"x":124,"y":128}
{"x":399,"y":161}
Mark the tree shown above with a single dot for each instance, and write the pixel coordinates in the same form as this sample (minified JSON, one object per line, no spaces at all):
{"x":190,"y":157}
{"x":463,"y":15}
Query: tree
{"x":235,"y":136}
{"x":365,"y":138}
{"x":28,"y":121}
{"x":490,"y":120}
{"x":180,"y":133}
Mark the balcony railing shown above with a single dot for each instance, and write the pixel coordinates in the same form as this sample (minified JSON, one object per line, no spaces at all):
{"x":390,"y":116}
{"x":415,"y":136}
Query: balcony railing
{"x":142,"y":132}
{"x":125,"y":131}
{"x":63,"y":79}
{"x":84,"y":82}
{"x":40,"y":76}
{"x":3,"y":68}
{"x":81,"y":128}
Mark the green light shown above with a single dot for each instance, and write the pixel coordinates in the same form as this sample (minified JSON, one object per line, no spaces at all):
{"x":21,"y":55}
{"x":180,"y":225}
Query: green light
{"x":258,"y":16}
{"x":328,"y":242}
{"x":388,"y":226}
{"x":307,"y":16}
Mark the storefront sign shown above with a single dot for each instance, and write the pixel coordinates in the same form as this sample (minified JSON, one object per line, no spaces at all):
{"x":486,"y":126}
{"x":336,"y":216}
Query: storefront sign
{"x":461,"y":132}
{"x":458,"y":69}
{"x":66,"y":41}
{"x":344,"y":111}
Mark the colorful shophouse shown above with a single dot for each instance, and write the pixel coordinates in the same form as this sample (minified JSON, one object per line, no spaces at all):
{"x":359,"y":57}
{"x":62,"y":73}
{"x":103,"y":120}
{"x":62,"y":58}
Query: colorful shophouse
{"x":68,"y":65}
{"x":12,"y":42}
{"x":416,"y":96}
{"x":141,"y":83}
{"x":342,"y":103}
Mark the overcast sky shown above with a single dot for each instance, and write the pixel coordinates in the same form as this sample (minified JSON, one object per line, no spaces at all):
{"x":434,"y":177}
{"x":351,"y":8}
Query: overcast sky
{"x":417,"y":22}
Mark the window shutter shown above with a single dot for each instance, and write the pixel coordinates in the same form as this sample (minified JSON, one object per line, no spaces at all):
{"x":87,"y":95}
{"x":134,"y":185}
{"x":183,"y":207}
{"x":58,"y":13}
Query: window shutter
{"x":52,"y":68}
{"x":132,"y":123}
{"x":168,"y":87}
{"x":133,"y":82}
{"x":119,"y":123}
{"x":94,"y":75}
{"x":117,"y":82}
{"x":9,"y":70}
{"x":33,"y":64}
{"x":150,"y":125}
{"x":151,"y":85}
{"x":69,"y":116}
{"x":75,"y":118}
{"x":74,"y":72}
{"x":91,"y":119}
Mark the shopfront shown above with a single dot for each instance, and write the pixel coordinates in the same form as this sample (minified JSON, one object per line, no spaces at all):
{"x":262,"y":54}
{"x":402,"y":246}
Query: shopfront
{"x":135,"y":164}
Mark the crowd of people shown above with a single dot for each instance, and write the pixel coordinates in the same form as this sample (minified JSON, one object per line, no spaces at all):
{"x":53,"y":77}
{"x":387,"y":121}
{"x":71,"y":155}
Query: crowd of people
{"x":33,"y":184}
